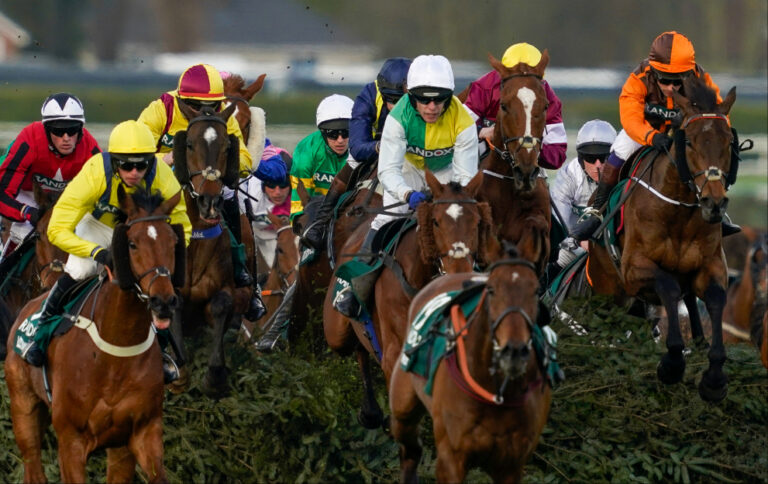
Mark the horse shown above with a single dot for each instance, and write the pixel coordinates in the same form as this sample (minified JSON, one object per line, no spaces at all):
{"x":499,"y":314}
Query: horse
{"x":207,"y":159}
{"x":748,"y":296}
{"x":671,"y":245}
{"x":490,"y":398}
{"x":105,"y":376}
{"x":514,"y":185}
{"x":454,"y":233}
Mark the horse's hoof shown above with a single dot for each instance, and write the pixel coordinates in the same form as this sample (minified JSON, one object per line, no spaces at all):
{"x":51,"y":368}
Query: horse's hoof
{"x":670,"y":369}
{"x":215,"y":382}
{"x":371,"y":420}
{"x":713,"y":389}
{"x":181,"y":384}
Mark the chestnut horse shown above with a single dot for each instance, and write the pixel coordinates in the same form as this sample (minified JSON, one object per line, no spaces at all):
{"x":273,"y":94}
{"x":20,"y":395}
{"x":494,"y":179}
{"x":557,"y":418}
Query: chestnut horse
{"x":454,"y":233}
{"x":105,"y":375}
{"x":207,"y":159}
{"x":671,"y":246}
{"x":492,"y":414}
{"x":514,"y":185}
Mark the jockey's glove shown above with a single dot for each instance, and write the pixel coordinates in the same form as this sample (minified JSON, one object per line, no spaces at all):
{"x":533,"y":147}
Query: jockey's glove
{"x":104,"y":257}
{"x":661,"y":142}
{"x":415,"y":198}
{"x":30,"y":214}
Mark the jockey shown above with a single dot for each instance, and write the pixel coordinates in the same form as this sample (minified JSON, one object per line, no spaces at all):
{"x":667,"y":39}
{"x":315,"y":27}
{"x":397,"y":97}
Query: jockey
{"x":576,"y":181}
{"x":647,"y":113}
{"x":369,"y":112}
{"x":319,"y":156}
{"x":85,"y":215}
{"x":49,"y":153}
{"x":428,"y":128}
{"x":483,"y":100}
{"x":199,"y":86}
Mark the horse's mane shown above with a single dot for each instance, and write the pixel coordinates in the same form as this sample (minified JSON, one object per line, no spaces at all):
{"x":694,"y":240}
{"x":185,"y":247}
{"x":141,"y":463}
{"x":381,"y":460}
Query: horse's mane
{"x":234,"y":84}
{"x":146,"y":200}
{"x":700,"y":94}
{"x":455,"y":187}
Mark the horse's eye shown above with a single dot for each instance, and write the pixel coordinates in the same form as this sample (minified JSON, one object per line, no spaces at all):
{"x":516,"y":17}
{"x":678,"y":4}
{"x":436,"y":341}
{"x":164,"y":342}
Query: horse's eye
{"x":190,"y":146}
{"x":131,"y":245}
{"x":504,"y":107}
{"x":279,"y":250}
{"x":434,"y":222}
{"x":490,"y":290}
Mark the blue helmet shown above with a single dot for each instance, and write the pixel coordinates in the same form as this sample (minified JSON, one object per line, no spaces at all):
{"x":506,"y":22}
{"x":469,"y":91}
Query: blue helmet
{"x":272,"y":170}
{"x":392,"y":76}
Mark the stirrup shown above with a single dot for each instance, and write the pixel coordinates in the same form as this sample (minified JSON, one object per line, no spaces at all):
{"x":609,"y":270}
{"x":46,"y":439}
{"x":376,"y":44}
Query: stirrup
{"x":346,"y":303}
{"x":34,"y":355}
{"x":171,"y":370}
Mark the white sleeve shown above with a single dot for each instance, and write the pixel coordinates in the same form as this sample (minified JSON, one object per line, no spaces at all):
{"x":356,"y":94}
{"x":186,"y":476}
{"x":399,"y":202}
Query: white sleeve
{"x":465,"y":158}
{"x":391,"y":159}
{"x":554,"y":133}
{"x":561,"y":197}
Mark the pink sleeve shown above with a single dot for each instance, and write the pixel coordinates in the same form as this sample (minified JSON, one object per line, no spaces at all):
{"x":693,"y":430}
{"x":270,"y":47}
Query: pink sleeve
{"x":481,"y":99}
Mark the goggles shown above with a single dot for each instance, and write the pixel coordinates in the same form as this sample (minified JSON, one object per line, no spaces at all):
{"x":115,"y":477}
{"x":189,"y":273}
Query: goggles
{"x":335,"y":133}
{"x":69,"y":130}
{"x":391,"y":98}
{"x":592,"y":159}
{"x":275,"y":184}
{"x":197,"y":104}
{"x":438,"y":99}
{"x":133,"y":162}
{"x":674,"y":82}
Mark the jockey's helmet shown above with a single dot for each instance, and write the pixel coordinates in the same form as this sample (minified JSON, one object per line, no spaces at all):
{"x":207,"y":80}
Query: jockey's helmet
{"x":334,"y":112}
{"x":521,"y":53}
{"x":672,"y":53}
{"x":131,"y":142}
{"x":391,"y":80}
{"x":201,"y":82}
{"x":430,"y":76}
{"x":595,"y":138}
{"x":62,"y":110}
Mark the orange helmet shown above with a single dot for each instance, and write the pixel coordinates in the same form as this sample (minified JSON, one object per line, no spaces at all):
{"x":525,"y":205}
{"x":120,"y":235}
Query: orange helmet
{"x":672,"y":53}
{"x":202,"y":82}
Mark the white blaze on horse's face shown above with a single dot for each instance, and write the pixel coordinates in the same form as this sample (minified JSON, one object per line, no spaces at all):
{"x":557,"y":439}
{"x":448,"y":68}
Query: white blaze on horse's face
{"x":515,"y":276}
{"x":454,"y":211}
{"x":152,"y":232}
{"x":527,"y":97}
{"x":210,"y":135}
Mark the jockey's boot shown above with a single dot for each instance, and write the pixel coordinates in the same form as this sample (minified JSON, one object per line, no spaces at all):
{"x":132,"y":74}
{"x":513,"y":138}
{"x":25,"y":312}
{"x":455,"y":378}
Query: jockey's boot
{"x":7,"y":261}
{"x":728,"y":227}
{"x":53,"y":305}
{"x":231,"y":212}
{"x":585,"y":228}
{"x":346,"y":302}
{"x":170,"y":369}
{"x":315,"y":234}
{"x":256,"y":308}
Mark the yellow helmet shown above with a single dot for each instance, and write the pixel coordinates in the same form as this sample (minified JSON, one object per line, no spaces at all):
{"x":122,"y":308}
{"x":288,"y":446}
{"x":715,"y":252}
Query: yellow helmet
{"x":522,"y":52}
{"x":202,"y":82}
{"x":131,"y":137}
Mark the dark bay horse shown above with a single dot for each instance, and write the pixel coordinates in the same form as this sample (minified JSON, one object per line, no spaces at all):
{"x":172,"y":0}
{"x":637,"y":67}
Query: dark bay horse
{"x":453,"y":234}
{"x":490,"y":399}
{"x":514,"y":185}
{"x":207,"y":159}
{"x":671,"y":246}
{"x":105,"y":374}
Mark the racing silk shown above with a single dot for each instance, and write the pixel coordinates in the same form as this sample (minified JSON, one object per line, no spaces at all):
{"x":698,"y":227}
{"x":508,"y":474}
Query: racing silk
{"x":483,"y":101}
{"x":29,"y":159}
{"x":643,"y":108}
{"x":409,"y":144}
{"x":86,"y":193}
{"x":571,"y":191}
{"x":368,"y":115}
{"x":262,"y":226}
{"x":315,"y":164}
{"x":164,"y":119}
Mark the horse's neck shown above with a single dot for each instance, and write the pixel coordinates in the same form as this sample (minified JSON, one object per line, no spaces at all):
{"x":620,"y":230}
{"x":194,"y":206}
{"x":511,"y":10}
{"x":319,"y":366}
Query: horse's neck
{"x":665,"y":178}
{"x":121,"y":318}
{"x":194,"y":213}
{"x":479,"y":348}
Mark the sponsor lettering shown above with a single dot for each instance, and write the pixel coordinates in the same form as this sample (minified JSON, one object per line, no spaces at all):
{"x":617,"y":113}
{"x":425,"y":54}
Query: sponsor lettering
{"x":417,"y":150}
{"x":323,"y":177}
{"x":167,"y":140}
{"x":49,"y":184}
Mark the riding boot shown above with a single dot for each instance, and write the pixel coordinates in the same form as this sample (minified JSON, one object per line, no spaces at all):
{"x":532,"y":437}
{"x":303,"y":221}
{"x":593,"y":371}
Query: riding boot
{"x":314,"y":236}
{"x":53,"y":305}
{"x":553,"y":270}
{"x":256,"y":308}
{"x":728,"y":227}
{"x":585,"y":228}
{"x":346,"y":302}
{"x":231,"y":212}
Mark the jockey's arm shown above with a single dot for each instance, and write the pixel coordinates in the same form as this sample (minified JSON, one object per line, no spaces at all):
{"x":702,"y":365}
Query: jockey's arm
{"x":632,"y":110}
{"x":362,"y":146}
{"x":392,"y":157}
{"x":155,"y":118}
{"x":555,"y":141}
{"x":14,"y":166}
{"x":302,"y":169}
{"x":465,"y":158}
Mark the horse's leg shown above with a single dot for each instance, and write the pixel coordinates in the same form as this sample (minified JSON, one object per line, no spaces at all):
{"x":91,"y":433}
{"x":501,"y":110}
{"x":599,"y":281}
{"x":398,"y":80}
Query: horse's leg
{"x":218,"y":311}
{"x":28,"y":413}
{"x":451,"y":465}
{"x":697,"y":331}
{"x":713,"y":386}
{"x":147,"y":445}
{"x":407,"y":411}
{"x":672,"y":365}
{"x":73,"y":454}
{"x":121,"y":465}
{"x":370,"y":415}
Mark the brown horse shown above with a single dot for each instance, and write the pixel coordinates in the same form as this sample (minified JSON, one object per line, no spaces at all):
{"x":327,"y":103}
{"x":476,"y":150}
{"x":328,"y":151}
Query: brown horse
{"x":454,"y":232}
{"x":671,"y":246}
{"x":105,"y":375}
{"x":206,"y":159}
{"x":514,"y":185}
{"x":490,"y":398}
{"x":240,"y":95}
{"x":748,"y":297}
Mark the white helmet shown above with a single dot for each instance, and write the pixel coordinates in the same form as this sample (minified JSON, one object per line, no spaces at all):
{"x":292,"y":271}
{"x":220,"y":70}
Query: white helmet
{"x":430,"y":71}
{"x":62,"y":107}
{"x":595,"y":137}
{"x":334,"y":108}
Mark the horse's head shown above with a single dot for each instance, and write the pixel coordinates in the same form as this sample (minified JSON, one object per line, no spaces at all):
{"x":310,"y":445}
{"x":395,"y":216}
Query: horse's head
{"x":240,"y":95}
{"x":50,"y":259}
{"x":286,"y":250}
{"x":703,"y":145}
{"x":206,"y":158}
{"x":454,"y":229}
{"x":521,"y":119}
{"x":512,"y":309}
{"x":149,"y":253}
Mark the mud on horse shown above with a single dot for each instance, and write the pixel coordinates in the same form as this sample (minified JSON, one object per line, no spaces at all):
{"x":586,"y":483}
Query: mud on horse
{"x":105,"y":374}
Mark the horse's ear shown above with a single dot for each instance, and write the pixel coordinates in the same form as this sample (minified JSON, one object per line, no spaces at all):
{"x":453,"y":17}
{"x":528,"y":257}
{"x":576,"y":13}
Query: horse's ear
{"x":180,"y":254}
{"x":180,"y":157}
{"x":682,"y":101}
{"x":433,"y":183}
{"x":254,"y":87}
{"x":426,"y":233}
{"x":125,"y":201}
{"x":498,"y":66}
{"x":167,"y":206}
{"x":542,"y":65}
{"x":301,"y":190}
{"x":227,"y":112}
{"x":120,"y":258}
{"x":188,"y":111}
{"x":725,"y":106}
{"x":276,"y":221}
{"x":474,"y":184}
{"x":232,"y":174}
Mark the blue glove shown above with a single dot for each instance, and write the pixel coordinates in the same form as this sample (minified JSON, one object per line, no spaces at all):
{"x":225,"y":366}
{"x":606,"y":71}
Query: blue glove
{"x":415,"y":198}
{"x":272,"y":169}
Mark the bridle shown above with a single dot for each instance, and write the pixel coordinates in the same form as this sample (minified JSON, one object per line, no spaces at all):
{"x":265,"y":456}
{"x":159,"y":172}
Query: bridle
{"x":459,"y":249}
{"x":711,"y":173}
{"x":157,"y":271}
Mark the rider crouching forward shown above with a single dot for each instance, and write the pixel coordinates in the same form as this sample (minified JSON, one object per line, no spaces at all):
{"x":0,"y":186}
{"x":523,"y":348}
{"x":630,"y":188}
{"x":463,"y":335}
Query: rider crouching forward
{"x":87,"y":212}
{"x":428,"y":128}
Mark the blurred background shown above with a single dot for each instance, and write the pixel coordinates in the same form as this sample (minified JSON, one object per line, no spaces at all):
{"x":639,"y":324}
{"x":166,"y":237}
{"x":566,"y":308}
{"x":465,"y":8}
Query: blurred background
{"x":118,"y":55}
